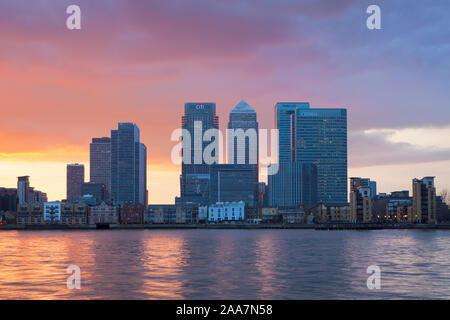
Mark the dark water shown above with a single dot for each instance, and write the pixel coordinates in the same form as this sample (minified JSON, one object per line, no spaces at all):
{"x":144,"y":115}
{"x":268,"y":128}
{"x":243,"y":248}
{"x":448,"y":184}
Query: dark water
{"x":224,"y":264}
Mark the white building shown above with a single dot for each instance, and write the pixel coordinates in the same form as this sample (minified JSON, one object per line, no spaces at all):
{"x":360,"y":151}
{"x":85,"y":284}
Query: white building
{"x":226,"y":211}
{"x":52,"y":211}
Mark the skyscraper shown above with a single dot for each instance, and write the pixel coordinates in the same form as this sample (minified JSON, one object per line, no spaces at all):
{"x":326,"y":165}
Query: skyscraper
{"x":128,"y":165}
{"x":194,"y":179}
{"x":243,"y":147}
{"x":242,"y":141}
{"x":100,"y":162}
{"x":317,"y":136}
{"x":75,"y":179}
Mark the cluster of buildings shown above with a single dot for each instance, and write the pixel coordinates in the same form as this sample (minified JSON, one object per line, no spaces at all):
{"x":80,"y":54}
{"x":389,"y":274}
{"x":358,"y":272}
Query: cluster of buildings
{"x":308,"y":183}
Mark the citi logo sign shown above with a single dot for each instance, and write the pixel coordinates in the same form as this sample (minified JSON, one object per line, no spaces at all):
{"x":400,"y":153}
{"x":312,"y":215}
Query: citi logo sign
{"x":200,"y":106}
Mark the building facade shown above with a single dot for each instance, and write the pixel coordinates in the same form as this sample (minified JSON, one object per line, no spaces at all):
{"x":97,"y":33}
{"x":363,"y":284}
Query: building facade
{"x":233,"y":182}
{"x":104,"y":214}
{"x":8,"y":199}
{"x":226,"y":212}
{"x":132,"y":213}
{"x":75,"y":179}
{"x":424,"y":200}
{"x":194,"y":179}
{"x":128,"y":165}
{"x":361,"y":204}
{"x":100,"y":163}
{"x":295,"y":183}
{"x":317,"y":136}
{"x":97,"y":190}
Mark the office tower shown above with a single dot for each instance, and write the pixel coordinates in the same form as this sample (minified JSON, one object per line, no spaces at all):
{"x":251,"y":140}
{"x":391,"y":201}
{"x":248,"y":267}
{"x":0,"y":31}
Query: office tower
{"x":23,"y":185}
{"x":242,"y":141}
{"x":233,"y":182}
{"x":128,"y":165}
{"x":294,"y":184}
{"x":194,"y":179}
{"x":424,"y":200}
{"x":317,"y":136}
{"x":243,"y":146}
{"x":100,"y":162}
{"x":357,"y":182}
{"x":75,"y":178}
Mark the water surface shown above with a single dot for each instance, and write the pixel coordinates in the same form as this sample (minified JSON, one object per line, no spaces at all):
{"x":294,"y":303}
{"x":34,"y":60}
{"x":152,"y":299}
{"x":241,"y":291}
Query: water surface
{"x":225,"y":264}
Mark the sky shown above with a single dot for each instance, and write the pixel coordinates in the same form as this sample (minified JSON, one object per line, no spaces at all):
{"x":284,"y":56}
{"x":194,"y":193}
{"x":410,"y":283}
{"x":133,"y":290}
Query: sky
{"x":140,"y":61}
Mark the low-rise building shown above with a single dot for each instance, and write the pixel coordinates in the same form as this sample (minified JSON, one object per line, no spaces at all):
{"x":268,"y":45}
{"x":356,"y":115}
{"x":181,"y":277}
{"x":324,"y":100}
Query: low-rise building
{"x":226,"y":212}
{"x":104,"y":214}
{"x":325,"y":213}
{"x":161,"y":213}
{"x":132,"y":213}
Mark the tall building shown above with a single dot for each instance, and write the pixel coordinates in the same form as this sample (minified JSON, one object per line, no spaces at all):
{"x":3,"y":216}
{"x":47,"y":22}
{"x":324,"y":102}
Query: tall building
{"x":243,"y":146}
{"x":242,"y":142}
{"x":294,"y":184}
{"x":23,"y":186}
{"x":357,"y":182}
{"x":233,"y":182}
{"x":100,"y":162}
{"x":317,"y":136}
{"x":128,"y":165}
{"x":75,"y":179}
{"x":194,"y":179}
{"x":424,"y":200}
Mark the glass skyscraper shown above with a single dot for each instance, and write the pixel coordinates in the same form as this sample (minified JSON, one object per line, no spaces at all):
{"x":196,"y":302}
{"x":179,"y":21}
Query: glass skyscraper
{"x":194,"y":179}
{"x":100,"y":162}
{"x":128,"y":165}
{"x":242,"y":148}
{"x":317,"y":136}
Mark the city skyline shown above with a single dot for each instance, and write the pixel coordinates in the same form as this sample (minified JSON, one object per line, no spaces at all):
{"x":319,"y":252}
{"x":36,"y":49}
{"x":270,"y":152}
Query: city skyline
{"x":60,"y":89}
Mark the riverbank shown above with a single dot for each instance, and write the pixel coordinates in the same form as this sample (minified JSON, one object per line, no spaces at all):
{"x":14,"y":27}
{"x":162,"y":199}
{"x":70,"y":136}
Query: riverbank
{"x":331,"y":226}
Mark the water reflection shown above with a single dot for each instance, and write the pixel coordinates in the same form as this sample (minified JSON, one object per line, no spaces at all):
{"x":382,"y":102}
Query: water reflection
{"x":224,"y":264}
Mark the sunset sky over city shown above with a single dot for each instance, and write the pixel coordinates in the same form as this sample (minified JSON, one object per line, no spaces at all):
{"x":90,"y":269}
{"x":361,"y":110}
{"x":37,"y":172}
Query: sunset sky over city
{"x":140,"y":61}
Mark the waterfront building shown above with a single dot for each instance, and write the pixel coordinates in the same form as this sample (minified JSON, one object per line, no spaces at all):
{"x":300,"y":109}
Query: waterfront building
{"x":361,"y":205}
{"x":326,"y":213}
{"x":30,"y":214}
{"x":294,"y":215}
{"x":128,"y":165}
{"x":317,"y":136}
{"x":424,"y":200}
{"x":294,"y":184}
{"x":357,"y":182}
{"x":96,"y":190}
{"x":8,"y":199}
{"x":100,"y":163}
{"x":75,"y":178}
{"x":233,"y":182}
{"x":74,"y":213}
{"x":186,"y":213}
{"x":132,"y":213}
{"x":194,"y":179}
{"x":226,"y":212}
{"x":104,"y":214}
{"x":202,"y":216}
{"x":161,"y":213}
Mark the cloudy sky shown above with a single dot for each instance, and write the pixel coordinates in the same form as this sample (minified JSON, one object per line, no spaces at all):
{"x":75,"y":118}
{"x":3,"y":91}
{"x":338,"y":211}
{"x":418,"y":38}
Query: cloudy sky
{"x":140,"y":61}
